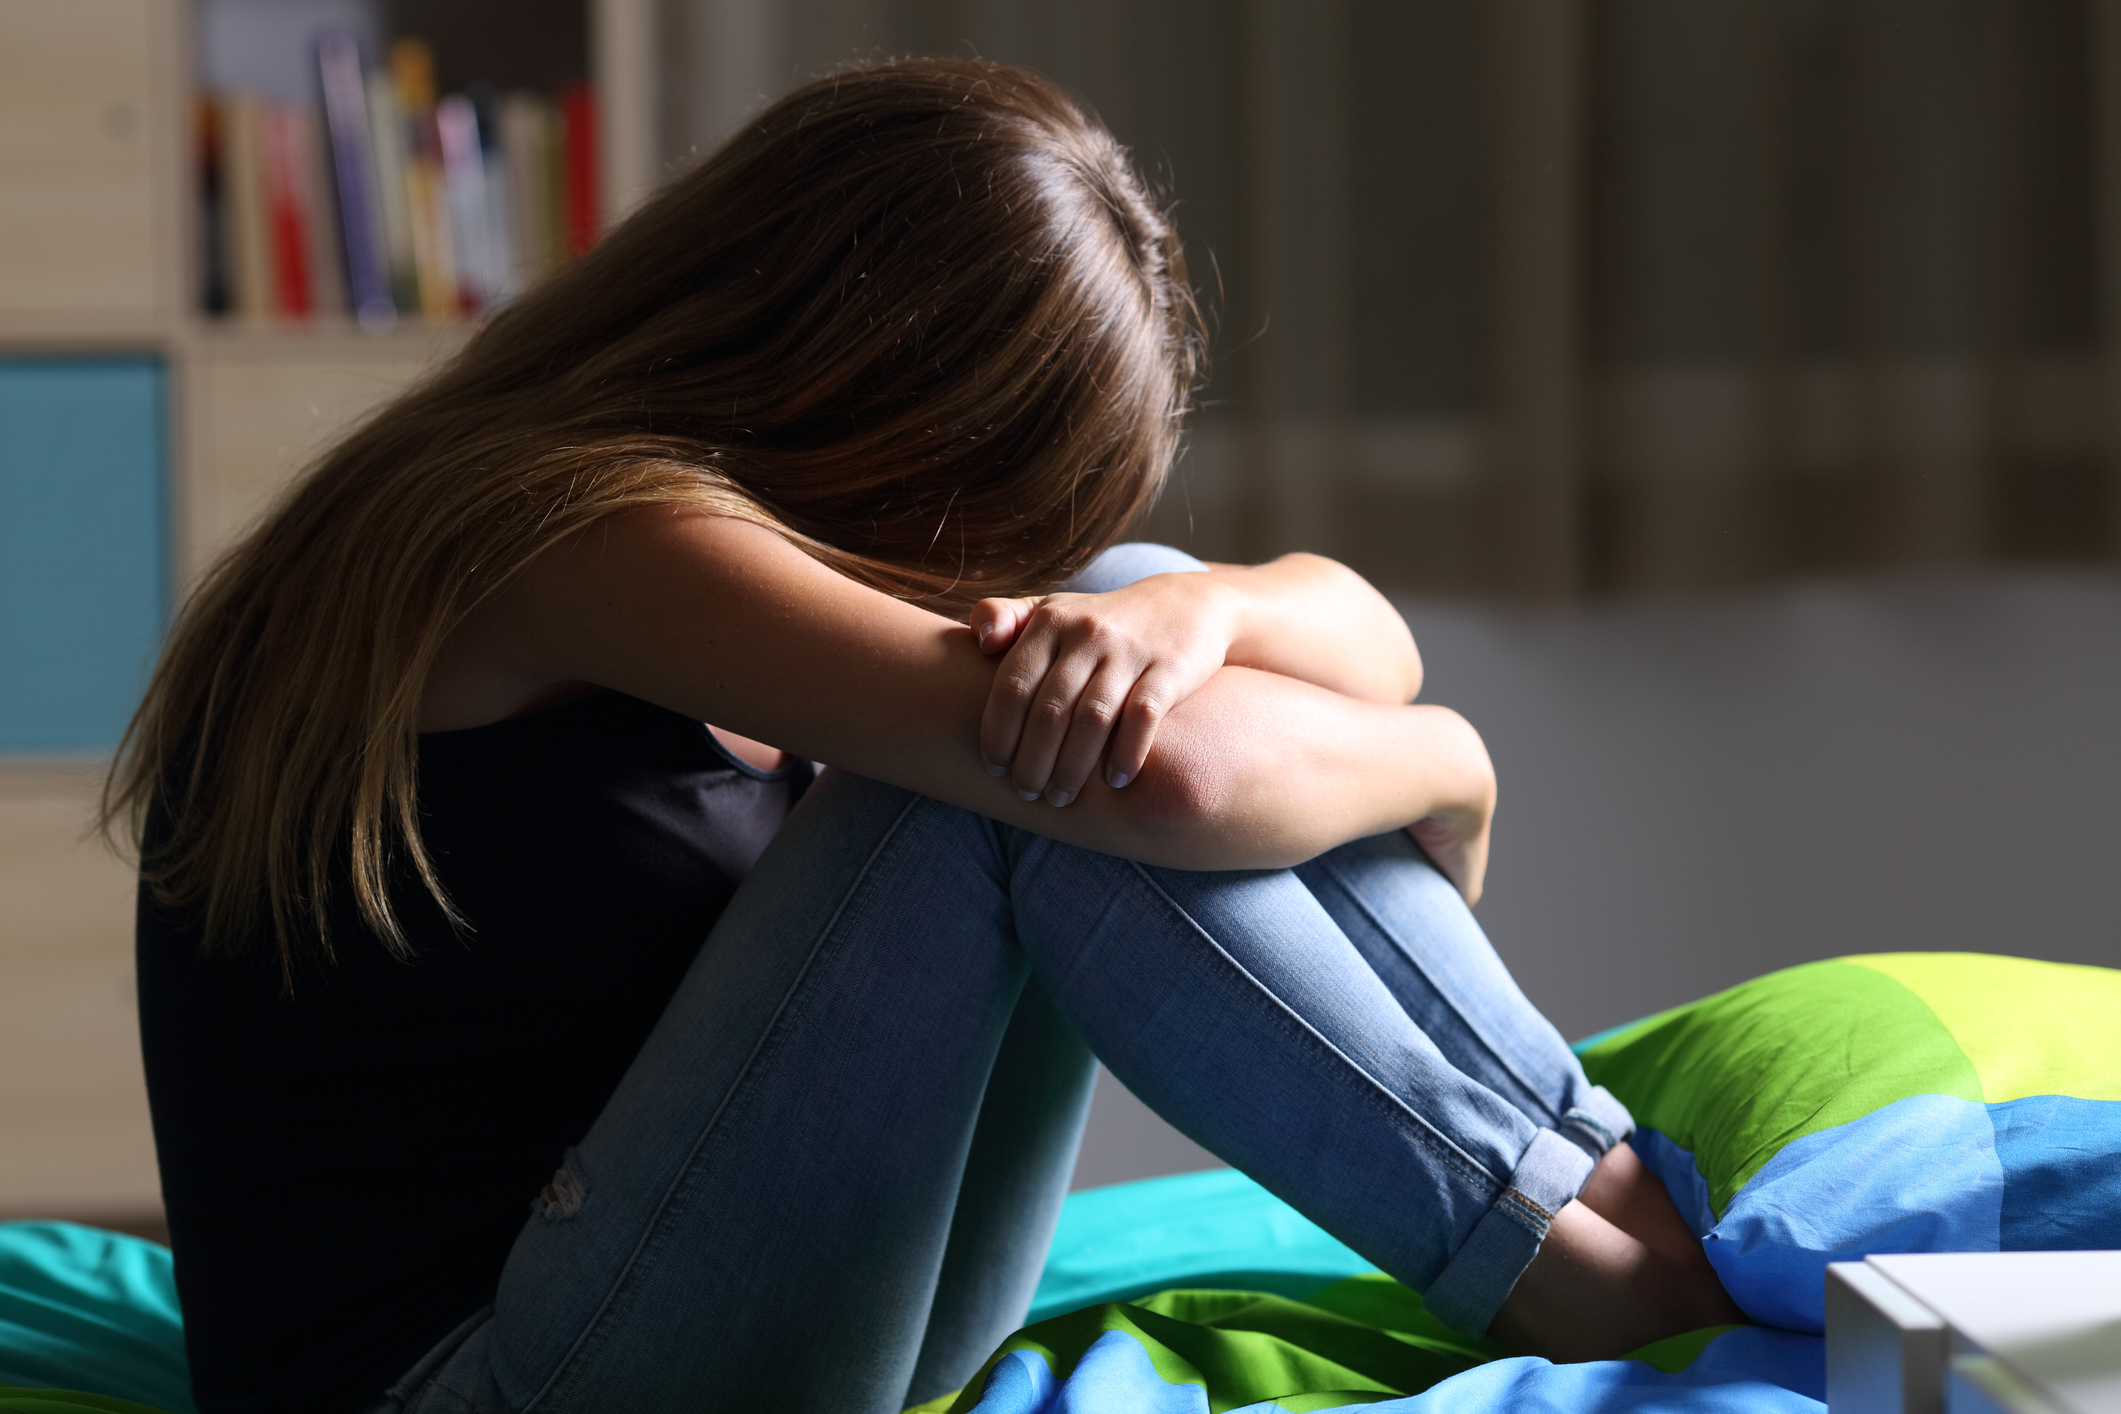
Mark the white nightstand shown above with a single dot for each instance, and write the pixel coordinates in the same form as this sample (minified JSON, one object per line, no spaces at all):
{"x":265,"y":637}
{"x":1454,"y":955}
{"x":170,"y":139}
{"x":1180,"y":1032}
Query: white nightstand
{"x":1975,"y":1333}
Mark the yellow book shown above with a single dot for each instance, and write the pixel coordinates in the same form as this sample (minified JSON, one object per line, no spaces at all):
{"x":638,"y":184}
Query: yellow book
{"x":434,"y":259}
{"x":426,"y":199}
{"x":243,"y":188}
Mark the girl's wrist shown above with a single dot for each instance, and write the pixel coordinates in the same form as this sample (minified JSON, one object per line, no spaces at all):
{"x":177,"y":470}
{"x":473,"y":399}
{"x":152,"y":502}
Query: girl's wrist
{"x":1249,"y":621}
{"x":1461,"y":775}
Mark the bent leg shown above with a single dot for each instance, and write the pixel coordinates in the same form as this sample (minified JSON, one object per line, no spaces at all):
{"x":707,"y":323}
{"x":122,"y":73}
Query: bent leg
{"x":1234,"y":1005}
{"x":1016,"y":1177}
{"x":758,"y":1218}
{"x":1416,"y":933}
{"x":1623,"y":1240}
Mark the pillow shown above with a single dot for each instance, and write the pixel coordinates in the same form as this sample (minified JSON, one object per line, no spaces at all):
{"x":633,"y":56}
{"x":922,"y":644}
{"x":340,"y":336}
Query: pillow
{"x":1902,"y":1102}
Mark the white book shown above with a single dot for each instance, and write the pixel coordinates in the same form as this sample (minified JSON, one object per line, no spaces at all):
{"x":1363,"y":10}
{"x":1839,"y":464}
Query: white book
{"x":502,"y":277}
{"x":464,"y":181}
{"x":527,"y":133}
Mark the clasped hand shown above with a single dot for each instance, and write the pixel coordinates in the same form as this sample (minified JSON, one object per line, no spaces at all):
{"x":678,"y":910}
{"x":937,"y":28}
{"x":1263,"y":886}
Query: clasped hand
{"x":1086,"y":679}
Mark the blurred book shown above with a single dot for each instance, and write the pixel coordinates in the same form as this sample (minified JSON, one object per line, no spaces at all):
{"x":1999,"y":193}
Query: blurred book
{"x":377,"y":197}
{"x":502,"y":263}
{"x":353,"y":166}
{"x":215,"y":295}
{"x":578,"y":112}
{"x":320,"y":216}
{"x":529,"y":128}
{"x":248,"y":248}
{"x":426,"y":200}
{"x":464,"y":176}
{"x":282,"y":141}
{"x":387,"y":141}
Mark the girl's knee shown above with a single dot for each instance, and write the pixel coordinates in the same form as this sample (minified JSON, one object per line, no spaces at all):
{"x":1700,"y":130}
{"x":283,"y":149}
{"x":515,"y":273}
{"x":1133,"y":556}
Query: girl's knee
{"x":1123,"y":564}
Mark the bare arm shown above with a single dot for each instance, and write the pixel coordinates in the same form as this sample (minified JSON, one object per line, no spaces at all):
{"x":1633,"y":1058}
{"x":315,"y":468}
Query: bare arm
{"x":1313,"y":619}
{"x":727,"y":623}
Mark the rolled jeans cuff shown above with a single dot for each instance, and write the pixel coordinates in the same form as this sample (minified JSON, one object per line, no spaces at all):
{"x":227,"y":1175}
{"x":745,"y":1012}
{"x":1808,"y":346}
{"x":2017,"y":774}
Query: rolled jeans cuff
{"x":1481,"y":1274}
{"x":1597,"y":1122}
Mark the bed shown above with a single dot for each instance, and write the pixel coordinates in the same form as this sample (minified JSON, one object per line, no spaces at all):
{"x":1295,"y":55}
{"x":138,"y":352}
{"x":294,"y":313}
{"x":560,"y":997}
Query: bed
{"x":1887,"y":1103}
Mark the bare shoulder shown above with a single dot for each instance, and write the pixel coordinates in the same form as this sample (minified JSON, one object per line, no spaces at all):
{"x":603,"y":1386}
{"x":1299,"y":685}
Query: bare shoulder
{"x":509,"y":655}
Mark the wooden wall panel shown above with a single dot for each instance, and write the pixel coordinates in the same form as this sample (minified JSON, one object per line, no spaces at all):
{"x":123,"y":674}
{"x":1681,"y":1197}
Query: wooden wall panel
{"x":81,"y":113}
{"x":261,"y":408}
{"x":74,"y":1134}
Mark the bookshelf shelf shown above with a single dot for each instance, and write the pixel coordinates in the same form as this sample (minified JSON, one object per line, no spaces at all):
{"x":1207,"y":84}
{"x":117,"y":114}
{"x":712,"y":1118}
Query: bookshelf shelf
{"x":33,"y":331}
{"x":333,"y":336}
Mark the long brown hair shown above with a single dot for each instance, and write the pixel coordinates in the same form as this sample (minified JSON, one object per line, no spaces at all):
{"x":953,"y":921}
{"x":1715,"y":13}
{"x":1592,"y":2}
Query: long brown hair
{"x":921,"y":318}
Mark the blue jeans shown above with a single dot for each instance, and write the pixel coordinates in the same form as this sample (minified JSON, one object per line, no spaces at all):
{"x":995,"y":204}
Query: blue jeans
{"x":829,"y":1178}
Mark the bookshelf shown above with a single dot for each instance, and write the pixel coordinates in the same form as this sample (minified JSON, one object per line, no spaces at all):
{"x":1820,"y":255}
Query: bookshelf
{"x":99,"y":284}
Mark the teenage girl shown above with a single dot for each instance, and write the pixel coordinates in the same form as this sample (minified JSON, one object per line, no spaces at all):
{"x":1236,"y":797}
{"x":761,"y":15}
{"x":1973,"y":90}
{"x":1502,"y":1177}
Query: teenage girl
{"x":515,"y":1041}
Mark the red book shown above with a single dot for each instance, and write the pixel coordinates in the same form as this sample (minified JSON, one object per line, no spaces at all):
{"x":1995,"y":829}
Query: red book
{"x":578,"y":109}
{"x":285,"y":219}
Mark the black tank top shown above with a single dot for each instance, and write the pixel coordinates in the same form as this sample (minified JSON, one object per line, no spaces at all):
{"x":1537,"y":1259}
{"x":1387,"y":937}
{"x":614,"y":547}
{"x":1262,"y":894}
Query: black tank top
{"x":346,"y":1168}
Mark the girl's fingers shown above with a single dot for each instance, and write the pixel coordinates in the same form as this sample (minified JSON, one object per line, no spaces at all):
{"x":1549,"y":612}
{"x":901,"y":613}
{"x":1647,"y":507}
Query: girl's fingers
{"x":997,"y":622}
{"x":1046,"y":722}
{"x":1071,"y":691}
{"x":1135,"y":731}
{"x":1097,"y":708}
{"x":1016,"y":686}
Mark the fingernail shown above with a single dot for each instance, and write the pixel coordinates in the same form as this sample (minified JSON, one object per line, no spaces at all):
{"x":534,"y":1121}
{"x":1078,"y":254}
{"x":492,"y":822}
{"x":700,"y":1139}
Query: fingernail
{"x":1119,"y":779}
{"x":985,"y":629}
{"x":1027,"y":794}
{"x":994,"y":770}
{"x":1060,"y":798}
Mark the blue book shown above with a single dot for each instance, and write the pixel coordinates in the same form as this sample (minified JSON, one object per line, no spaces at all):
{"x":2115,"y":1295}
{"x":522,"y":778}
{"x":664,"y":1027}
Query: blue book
{"x":353,"y":162}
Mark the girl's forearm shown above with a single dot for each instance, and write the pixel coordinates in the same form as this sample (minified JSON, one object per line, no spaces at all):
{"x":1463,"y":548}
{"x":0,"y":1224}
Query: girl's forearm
{"x":1309,"y":618}
{"x":1258,"y":770}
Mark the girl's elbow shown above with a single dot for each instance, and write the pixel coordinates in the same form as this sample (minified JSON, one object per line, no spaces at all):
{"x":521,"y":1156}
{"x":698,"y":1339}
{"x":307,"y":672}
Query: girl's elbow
{"x":1181,"y":814}
{"x":1194,"y":819}
{"x":1411,"y":670}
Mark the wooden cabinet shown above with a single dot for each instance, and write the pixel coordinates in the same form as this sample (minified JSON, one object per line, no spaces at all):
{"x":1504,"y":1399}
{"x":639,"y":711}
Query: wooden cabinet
{"x":74,"y":1136}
